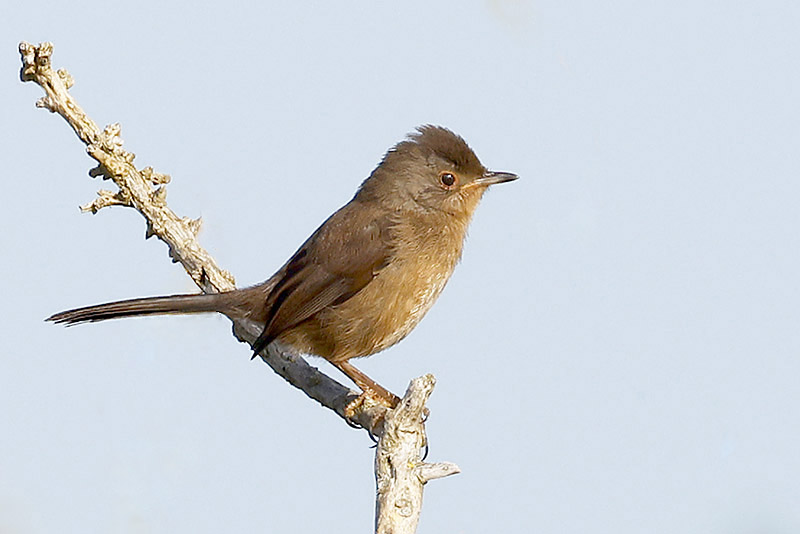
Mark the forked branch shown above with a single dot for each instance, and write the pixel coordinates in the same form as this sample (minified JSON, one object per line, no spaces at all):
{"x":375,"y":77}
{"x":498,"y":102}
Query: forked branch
{"x":399,"y":471}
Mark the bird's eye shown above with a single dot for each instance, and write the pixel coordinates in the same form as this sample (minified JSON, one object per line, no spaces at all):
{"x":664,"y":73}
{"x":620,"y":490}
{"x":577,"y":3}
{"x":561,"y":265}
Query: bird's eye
{"x":448,"y":179}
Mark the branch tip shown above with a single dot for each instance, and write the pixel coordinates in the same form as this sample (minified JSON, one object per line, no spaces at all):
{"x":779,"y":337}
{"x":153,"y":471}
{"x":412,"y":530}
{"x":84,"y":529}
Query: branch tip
{"x":155,"y":178}
{"x":194,"y":224}
{"x":105,"y":199}
{"x":428,"y":472}
{"x":159,"y":196}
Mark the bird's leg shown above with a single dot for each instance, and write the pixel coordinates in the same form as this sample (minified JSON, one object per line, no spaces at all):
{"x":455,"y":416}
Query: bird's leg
{"x":367,"y":385}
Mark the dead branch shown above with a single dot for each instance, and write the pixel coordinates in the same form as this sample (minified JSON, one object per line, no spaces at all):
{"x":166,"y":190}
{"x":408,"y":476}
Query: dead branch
{"x":400,"y":474}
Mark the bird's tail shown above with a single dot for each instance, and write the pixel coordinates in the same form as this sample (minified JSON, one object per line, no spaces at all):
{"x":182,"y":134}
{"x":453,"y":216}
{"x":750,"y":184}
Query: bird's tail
{"x":172,"y":304}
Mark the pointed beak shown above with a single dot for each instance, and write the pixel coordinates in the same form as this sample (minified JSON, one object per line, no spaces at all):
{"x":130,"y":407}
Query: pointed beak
{"x":495,"y":177}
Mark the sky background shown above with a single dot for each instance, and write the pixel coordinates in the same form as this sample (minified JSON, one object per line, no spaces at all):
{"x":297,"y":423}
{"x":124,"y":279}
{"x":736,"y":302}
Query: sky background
{"x":619,"y":351}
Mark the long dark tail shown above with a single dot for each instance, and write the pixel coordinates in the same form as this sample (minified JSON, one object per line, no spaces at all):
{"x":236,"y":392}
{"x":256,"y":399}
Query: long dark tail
{"x":172,"y":304}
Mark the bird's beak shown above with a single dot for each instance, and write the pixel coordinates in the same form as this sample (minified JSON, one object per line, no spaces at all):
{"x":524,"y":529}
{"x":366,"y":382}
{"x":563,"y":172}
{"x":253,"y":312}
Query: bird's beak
{"x":495,"y":177}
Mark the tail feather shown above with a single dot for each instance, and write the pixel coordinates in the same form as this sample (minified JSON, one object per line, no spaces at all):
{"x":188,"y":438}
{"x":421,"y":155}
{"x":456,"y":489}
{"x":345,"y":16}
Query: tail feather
{"x":172,"y":304}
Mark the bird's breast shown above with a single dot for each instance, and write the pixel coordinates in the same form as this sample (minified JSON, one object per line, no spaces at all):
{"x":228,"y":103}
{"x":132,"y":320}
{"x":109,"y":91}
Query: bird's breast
{"x":413,"y":297}
{"x":394,"y":302}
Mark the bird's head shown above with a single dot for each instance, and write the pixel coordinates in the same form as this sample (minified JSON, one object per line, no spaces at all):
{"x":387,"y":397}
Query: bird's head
{"x":433,"y":169}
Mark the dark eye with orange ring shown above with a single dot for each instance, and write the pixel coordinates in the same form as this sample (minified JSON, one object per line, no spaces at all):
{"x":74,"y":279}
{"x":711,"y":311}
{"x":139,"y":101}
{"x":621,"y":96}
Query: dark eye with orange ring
{"x":448,"y":179}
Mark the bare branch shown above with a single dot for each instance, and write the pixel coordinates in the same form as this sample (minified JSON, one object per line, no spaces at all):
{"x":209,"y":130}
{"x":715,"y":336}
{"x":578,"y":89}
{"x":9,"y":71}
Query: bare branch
{"x":399,"y":472}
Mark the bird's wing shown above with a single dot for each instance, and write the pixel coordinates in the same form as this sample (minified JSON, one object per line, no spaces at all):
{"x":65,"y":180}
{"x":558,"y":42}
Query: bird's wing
{"x":335,"y":263}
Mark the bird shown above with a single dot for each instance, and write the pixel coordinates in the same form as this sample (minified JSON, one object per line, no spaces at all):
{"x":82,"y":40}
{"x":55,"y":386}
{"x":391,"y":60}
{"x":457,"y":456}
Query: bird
{"x":367,"y":276}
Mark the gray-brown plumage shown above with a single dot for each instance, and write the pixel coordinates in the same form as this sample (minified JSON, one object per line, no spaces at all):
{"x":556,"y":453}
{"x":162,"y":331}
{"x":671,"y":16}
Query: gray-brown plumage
{"x":368,"y":274}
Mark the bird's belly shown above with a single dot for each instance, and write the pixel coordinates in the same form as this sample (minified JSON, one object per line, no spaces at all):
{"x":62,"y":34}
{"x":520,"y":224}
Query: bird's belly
{"x":412,"y":303}
{"x":385,"y":311}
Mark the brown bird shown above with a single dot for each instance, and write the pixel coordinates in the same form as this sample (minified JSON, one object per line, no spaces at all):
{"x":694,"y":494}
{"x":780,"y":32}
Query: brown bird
{"x":368,"y":274}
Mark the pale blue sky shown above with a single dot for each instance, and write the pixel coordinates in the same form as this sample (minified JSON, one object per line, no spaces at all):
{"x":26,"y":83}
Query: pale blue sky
{"x":618,"y":352}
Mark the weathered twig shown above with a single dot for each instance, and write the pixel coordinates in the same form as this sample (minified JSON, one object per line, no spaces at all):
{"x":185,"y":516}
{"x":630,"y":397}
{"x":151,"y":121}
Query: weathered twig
{"x":399,"y":472}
